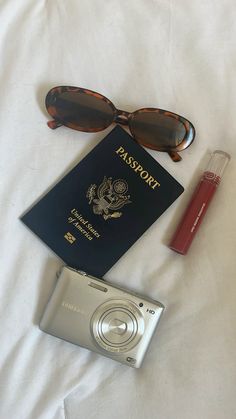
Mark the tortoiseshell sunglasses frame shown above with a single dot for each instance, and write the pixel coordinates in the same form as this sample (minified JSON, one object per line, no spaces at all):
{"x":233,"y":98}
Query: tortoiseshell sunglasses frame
{"x":120,"y":117}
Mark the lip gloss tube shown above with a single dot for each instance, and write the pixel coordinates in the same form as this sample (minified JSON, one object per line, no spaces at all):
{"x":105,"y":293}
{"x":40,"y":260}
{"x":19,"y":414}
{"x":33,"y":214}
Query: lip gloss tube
{"x":199,"y":202}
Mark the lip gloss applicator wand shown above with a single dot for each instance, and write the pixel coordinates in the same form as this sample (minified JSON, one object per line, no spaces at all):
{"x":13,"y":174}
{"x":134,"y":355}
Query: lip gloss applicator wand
{"x":199,"y":202}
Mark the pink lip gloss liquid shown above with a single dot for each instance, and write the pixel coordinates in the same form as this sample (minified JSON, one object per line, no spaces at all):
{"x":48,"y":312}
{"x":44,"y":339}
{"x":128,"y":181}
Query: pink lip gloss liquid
{"x":199,"y":202}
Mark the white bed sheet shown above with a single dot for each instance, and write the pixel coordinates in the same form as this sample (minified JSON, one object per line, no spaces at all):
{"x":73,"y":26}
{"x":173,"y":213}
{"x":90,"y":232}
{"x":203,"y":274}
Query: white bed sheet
{"x":176,"y":55}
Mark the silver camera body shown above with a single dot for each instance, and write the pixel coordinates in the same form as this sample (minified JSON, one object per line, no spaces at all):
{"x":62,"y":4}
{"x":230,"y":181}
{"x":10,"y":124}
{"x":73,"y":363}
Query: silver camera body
{"x":99,"y":316}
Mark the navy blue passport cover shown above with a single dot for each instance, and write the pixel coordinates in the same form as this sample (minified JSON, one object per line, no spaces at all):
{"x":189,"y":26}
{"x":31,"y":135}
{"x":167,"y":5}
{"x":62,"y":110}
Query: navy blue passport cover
{"x":102,"y":206}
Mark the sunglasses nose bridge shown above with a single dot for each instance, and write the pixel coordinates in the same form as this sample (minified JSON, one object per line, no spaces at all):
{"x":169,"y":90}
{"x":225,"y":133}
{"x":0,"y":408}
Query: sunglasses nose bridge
{"x":122,"y":117}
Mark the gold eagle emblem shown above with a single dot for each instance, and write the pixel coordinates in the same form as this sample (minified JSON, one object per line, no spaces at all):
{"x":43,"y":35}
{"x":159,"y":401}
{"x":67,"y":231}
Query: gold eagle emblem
{"x":108,"y":197}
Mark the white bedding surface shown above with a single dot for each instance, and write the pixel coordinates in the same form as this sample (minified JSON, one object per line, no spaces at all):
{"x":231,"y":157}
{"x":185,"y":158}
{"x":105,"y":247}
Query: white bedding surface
{"x":176,"y":55}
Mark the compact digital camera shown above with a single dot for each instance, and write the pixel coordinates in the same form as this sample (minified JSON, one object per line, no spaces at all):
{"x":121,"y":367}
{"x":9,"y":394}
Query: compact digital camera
{"x":104,"y":318}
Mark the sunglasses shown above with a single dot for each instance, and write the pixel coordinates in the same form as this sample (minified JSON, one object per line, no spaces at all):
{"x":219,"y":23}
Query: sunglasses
{"x":85,"y":110}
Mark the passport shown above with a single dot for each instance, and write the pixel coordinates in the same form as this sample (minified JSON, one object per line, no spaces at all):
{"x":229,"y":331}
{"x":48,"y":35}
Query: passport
{"x":93,"y":215}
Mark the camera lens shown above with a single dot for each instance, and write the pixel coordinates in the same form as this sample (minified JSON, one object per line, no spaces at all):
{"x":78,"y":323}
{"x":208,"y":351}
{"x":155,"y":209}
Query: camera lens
{"x":117,"y":325}
{"x":140,"y":304}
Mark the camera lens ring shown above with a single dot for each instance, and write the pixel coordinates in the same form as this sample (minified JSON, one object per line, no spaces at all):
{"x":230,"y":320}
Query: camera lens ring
{"x":117,"y":325}
{"x":121,"y":328}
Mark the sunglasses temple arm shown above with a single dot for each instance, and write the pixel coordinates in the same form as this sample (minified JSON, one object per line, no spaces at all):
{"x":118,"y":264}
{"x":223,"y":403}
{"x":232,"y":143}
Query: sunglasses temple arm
{"x":174,"y":156}
{"x":54,"y":124}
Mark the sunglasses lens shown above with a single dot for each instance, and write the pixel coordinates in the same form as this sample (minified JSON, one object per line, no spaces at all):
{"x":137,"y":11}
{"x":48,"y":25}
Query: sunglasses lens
{"x":81,"y":110}
{"x":157,"y":129}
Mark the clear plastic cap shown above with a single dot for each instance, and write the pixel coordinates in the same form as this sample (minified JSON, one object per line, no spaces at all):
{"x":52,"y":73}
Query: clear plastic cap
{"x":218,"y":163}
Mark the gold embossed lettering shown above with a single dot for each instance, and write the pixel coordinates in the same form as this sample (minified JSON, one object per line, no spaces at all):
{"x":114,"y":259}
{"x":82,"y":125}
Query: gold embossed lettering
{"x":155,"y":184}
{"x":123,"y":156}
{"x":134,"y":164}
{"x":120,"y":150}
{"x":137,"y":167}
{"x":130,"y":160}
{"x":144,"y":174}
